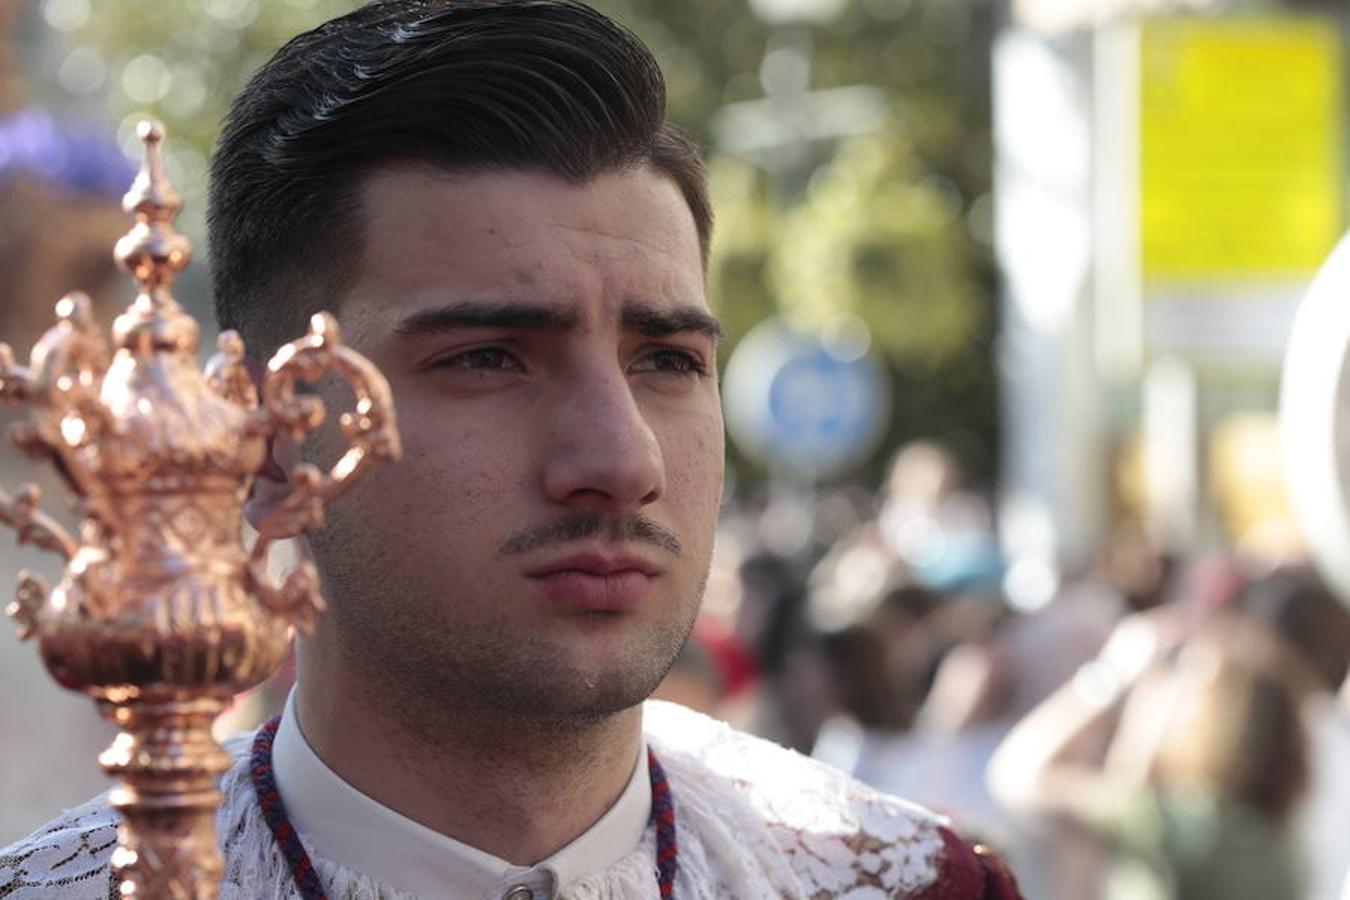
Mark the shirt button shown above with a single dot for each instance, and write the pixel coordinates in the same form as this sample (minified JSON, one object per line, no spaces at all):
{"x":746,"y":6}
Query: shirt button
{"x":519,"y":892}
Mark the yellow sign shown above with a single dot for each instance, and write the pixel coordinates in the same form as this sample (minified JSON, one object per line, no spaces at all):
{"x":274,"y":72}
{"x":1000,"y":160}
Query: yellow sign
{"x":1241,"y":148}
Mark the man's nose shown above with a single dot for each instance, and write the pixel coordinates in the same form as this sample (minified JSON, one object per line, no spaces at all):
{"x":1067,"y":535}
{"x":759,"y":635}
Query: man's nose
{"x":605,"y":455}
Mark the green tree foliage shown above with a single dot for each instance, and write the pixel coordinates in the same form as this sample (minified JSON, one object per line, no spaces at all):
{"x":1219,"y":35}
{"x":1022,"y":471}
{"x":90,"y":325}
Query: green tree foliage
{"x":891,"y":225}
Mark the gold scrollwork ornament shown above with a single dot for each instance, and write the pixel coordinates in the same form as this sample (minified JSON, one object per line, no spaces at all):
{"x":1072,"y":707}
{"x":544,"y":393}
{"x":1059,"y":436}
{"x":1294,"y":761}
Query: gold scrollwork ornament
{"x":162,"y":614}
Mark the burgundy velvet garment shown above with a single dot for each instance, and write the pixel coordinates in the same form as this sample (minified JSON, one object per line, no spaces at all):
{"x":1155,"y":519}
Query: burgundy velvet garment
{"x":970,"y":872}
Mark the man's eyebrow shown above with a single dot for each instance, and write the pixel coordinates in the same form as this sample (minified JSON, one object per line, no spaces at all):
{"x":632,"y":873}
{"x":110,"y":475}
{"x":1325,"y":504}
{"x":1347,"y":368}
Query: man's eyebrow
{"x":493,"y":314}
{"x":654,"y":322}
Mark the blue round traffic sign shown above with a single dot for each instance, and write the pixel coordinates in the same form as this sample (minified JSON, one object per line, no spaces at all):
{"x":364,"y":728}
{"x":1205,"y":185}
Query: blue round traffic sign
{"x":803,"y":403}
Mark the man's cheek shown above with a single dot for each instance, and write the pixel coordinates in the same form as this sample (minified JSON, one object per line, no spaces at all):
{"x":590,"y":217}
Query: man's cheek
{"x":463,"y":480}
{"x":696,"y":466}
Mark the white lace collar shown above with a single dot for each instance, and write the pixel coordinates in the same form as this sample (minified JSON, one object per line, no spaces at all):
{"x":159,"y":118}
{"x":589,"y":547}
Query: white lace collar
{"x":341,"y":823}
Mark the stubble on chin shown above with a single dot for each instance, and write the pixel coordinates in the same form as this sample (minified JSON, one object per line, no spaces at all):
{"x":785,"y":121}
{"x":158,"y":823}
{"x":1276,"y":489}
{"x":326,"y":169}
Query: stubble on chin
{"x":438,"y":676}
{"x":481,"y":678}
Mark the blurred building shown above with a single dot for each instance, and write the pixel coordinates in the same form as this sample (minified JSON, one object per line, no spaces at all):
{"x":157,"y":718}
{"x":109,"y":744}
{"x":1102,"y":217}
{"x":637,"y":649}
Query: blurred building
{"x":1169,"y":178}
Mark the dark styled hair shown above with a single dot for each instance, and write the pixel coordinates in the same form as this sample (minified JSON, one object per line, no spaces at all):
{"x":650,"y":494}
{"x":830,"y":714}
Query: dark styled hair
{"x":463,"y":85}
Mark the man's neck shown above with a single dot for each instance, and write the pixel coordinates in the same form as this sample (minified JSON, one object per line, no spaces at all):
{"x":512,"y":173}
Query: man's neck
{"x":518,"y":790}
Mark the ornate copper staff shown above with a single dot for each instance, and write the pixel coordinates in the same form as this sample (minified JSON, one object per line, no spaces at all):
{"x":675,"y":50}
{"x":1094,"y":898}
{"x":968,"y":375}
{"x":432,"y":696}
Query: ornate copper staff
{"x":162,"y":613}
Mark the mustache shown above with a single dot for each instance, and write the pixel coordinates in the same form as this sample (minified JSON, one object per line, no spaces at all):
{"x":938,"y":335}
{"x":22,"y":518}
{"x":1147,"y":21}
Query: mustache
{"x":576,"y":527}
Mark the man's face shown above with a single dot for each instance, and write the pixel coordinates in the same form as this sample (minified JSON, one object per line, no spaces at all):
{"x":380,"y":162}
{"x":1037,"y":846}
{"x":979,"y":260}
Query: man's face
{"x":542,"y":546}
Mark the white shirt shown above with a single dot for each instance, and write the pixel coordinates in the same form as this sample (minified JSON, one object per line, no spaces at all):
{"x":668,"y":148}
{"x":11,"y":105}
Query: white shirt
{"x":339,"y":822}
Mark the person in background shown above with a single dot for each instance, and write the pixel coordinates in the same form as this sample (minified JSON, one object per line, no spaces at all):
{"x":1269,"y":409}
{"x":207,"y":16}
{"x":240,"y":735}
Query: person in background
{"x":920,"y":703}
{"x":1297,"y":604}
{"x":1206,"y":764}
{"x":943,"y":531}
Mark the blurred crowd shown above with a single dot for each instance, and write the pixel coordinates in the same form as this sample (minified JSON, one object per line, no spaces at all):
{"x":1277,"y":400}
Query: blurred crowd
{"x":1161,"y":728}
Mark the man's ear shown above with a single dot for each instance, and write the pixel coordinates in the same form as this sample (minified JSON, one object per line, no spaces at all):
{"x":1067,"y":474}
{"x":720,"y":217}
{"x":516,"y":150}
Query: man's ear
{"x":272,"y":484}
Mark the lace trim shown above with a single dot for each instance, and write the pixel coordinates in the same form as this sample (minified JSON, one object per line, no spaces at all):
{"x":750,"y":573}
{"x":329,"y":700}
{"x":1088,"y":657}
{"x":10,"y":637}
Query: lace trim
{"x":757,"y":822}
{"x":67,"y":858}
{"x":816,"y":832}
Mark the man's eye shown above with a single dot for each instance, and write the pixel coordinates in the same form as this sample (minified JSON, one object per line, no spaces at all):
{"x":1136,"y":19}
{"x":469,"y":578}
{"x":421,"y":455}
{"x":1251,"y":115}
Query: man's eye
{"x":479,"y":358}
{"x":678,"y":362}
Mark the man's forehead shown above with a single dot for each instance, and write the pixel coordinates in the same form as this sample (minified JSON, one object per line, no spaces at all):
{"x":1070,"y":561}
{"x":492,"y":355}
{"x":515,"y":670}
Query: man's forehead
{"x":435,"y":241}
{"x":636,"y":212}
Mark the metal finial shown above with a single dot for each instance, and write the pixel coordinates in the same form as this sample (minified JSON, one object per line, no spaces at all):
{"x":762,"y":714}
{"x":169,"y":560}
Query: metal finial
{"x":152,"y":251}
{"x":151,"y":195}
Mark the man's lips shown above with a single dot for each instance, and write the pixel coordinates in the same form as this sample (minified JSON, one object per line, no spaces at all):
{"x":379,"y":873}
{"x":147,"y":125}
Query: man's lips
{"x":596,"y":582}
{"x":595,"y":563}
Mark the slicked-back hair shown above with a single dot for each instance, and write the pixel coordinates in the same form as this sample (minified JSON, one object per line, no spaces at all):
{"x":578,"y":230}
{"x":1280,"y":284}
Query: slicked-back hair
{"x":462,"y":85}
